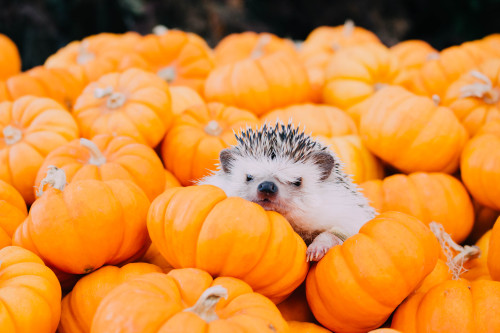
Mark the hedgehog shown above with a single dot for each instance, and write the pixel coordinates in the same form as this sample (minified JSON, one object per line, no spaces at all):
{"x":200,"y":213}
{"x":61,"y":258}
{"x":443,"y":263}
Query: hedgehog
{"x":283,"y":169}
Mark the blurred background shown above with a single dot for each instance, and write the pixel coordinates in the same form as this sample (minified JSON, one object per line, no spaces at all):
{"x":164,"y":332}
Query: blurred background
{"x":40,"y":27}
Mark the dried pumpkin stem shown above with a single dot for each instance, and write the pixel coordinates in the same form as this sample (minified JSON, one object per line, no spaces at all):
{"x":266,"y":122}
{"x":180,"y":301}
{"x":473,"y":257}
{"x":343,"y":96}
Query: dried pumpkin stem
{"x":160,"y":30}
{"x":465,"y":253}
{"x":483,"y":89}
{"x":168,"y":73}
{"x":96,"y":157}
{"x":348,"y":28}
{"x":115,"y":99}
{"x":55,"y":177}
{"x":205,"y":306}
{"x":436,"y":99}
{"x":432,"y":56}
{"x":258,"y":50}
{"x":84,"y":55}
{"x":213,"y":128}
{"x":12,"y":135}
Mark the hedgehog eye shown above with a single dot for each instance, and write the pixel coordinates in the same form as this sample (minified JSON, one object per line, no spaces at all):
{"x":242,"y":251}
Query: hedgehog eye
{"x":249,"y":178}
{"x":298,"y":182}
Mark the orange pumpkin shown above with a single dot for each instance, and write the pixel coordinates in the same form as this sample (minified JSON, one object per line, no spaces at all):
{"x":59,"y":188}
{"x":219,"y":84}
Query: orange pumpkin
{"x":317,"y":119}
{"x":30,"y":295}
{"x":477,"y":269}
{"x":260,"y":85}
{"x":91,"y":222}
{"x":356,"y":73}
{"x":385,"y":330}
{"x":475,"y":96}
{"x":249,"y":44}
{"x":183,"y":98}
{"x":30,"y":128}
{"x":199,"y":226}
{"x":10,"y":61}
{"x":493,"y":256}
{"x":429,"y":197}
{"x":480,"y":165}
{"x":406,"y":131}
{"x":153,"y":256}
{"x":357,"y":285}
{"x":178,"y":57}
{"x":170,"y":180}
{"x":79,"y":306}
{"x":13,"y":210}
{"x":192,"y":145}
{"x":133,"y":103}
{"x":108,"y":157}
{"x":295,"y":306}
{"x":305,"y":327}
{"x":186,"y":300}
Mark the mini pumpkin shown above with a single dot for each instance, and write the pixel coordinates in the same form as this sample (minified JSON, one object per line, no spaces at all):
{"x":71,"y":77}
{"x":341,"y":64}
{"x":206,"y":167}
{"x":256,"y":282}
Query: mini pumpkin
{"x":183,"y":98}
{"x":153,"y":256}
{"x":494,"y":252}
{"x":13,"y":210}
{"x":186,"y":300}
{"x":10,"y":61}
{"x":199,"y":226}
{"x":295,"y":306}
{"x":477,"y":269}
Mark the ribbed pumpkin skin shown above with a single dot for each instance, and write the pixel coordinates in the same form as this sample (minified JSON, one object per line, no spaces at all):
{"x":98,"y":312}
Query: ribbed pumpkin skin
{"x":79,"y":306}
{"x":480,"y":165}
{"x":406,"y":131}
{"x":260,"y":85}
{"x":44,"y":125}
{"x":357,"y":285}
{"x":198,"y":226}
{"x":356,"y":73}
{"x":153,"y":256}
{"x":494,"y":252}
{"x":317,"y":119}
{"x":477,"y":269}
{"x":170,"y":180}
{"x":305,"y":327}
{"x":138,"y":105}
{"x":474,"y":111}
{"x":411,"y":55}
{"x":429,"y":197}
{"x":10,"y":61}
{"x":454,"y":306}
{"x":183,"y":98}
{"x":91,"y":222}
{"x":240,"y":46}
{"x":155,"y":302}
{"x":191,"y":147}
{"x":295,"y":306}
{"x":13,"y":210}
{"x":30,"y":295}
{"x":125,"y":158}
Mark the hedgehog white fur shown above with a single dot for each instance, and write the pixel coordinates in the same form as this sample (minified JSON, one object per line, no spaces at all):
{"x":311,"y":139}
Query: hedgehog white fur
{"x":283,"y":169}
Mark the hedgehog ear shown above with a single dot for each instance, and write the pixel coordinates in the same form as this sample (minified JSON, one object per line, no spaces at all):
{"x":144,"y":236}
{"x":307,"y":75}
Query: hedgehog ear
{"x":325,"y":162}
{"x":226,"y":160}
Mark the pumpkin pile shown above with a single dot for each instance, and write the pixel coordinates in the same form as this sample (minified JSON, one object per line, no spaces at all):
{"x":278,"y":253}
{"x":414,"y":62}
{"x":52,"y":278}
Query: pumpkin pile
{"x":103,"y":228}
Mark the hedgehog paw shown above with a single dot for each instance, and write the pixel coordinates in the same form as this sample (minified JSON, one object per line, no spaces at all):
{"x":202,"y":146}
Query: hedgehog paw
{"x":320,"y":246}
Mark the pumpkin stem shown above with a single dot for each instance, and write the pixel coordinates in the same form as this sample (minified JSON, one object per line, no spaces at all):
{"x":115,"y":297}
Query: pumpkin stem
{"x":12,"y":135}
{"x":213,"y":128}
{"x":168,"y":73}
{"x":258,"y":50}
{"x":465,"y":253}
{"x":115,"y":99}
{"x":377,"y":86}
{"x":96,"y":157}
{"x":205,"y":306}
{"x":160,"y":30}
{"x":483,"y":89}
{"x":348,"y":28}
{"x":436,"y":99}
{"x":433,"y":56}
{"x":55,"y":177}
{"x":84,"y":55}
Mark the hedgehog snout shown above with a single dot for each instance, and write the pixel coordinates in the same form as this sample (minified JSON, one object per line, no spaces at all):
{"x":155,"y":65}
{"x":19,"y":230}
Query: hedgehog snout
{"x":267,"y":188}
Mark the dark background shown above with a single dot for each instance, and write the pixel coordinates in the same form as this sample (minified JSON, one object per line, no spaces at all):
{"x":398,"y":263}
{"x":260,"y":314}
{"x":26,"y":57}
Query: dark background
{"x":40,"y":27}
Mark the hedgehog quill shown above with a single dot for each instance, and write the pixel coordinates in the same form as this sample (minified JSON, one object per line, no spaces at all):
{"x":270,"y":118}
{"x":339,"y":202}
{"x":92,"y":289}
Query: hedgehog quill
{"x":285,"y":170}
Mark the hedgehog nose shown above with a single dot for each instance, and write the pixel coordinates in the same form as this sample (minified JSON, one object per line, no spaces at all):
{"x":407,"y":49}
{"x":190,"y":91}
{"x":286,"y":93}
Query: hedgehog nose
{"x":267,"y":187}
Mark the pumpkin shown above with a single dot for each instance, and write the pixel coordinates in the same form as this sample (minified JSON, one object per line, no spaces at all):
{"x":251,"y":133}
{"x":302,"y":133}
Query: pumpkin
{"x":79,"y":306}
{"x":406,"y":131}
{"x":475,"y":96}
{"x":480,"y":165}
{"x":177,"y":57}
{"x":199,"y":226}
{"x":317,"y":119}
{"x":484,"y":219}
{"x":357,"y":285}
{"x":30,"y":128}
{"x":153,"y":256}
{"x":91,"y":222}
{"x":295,"y":307}
{"x":30,"y":293}
{"x":192,"y":145}
{"x":108,"y":157}
{"x":385,"y":330}
{"x":451,"y":305}
{"x":427,"y":196}
{"x":305,"y":327}
{"x":170,"y":180}
{"x":357,"y":160}
{"x":356,"y":73}
{"x":260,"y":85}
{"x":494,"y":252}
{"x":183,"y":98}
{"x":186,"y":300}
{"x":10,"y":61}
{"x":249,"y":44}
{"x":133,"y":103}
{"x":13,"y":210}
{"x":477,"y":269}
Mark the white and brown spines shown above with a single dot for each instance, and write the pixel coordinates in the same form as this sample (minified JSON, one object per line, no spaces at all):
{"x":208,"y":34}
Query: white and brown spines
{"x":279,"y":141}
